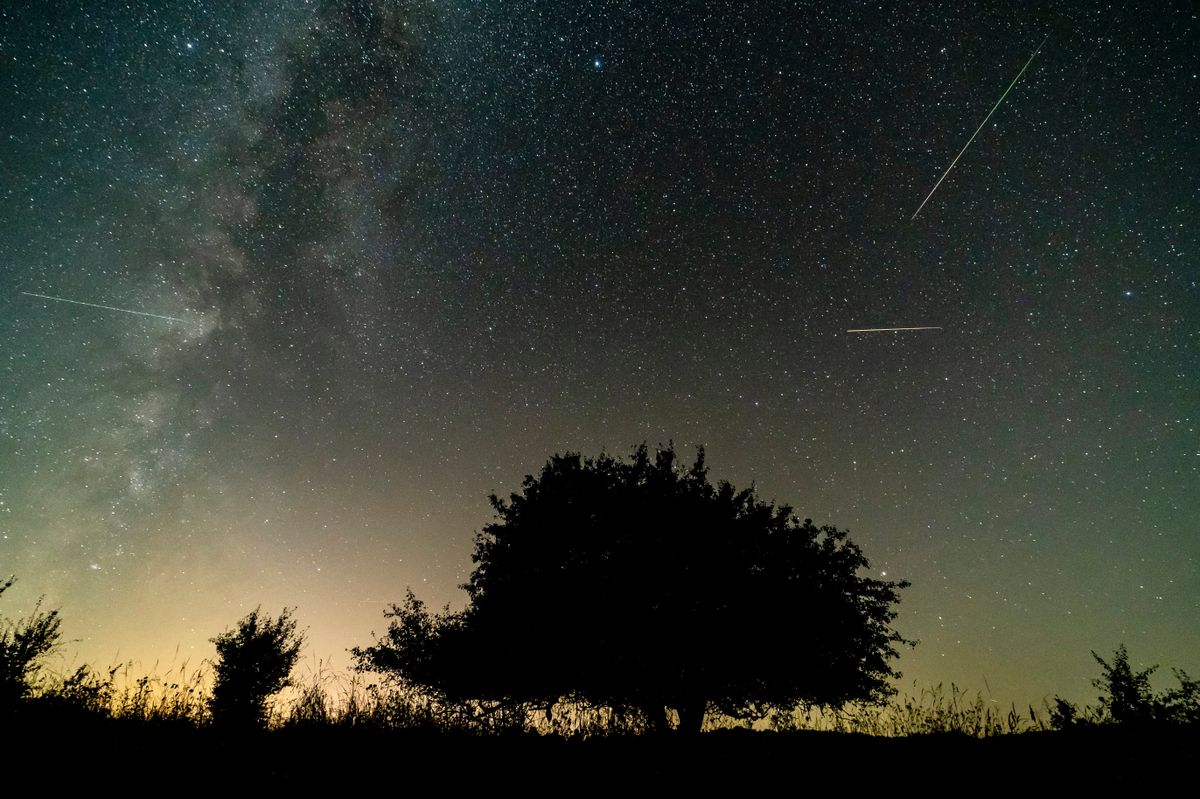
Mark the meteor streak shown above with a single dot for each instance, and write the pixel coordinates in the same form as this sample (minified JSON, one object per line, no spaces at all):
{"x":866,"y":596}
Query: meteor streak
{"x":887,"y":329}
{"x":105,"y":307}
{"x":981,"y":124}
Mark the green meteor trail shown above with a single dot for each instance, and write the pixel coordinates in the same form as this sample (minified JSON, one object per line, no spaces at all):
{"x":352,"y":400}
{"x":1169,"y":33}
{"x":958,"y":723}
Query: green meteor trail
{"x":105,"y":307}
{"x":981,"y":124}
{"x":889,"y":329}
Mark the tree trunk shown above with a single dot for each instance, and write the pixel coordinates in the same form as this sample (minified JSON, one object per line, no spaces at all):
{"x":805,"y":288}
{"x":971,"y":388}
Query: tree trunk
{"x":657,"y":716}
{"x":691,"y":717}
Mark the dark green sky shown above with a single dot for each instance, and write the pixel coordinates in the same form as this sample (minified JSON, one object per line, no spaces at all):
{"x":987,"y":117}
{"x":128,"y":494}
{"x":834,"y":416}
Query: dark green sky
{"x":418,"y":247}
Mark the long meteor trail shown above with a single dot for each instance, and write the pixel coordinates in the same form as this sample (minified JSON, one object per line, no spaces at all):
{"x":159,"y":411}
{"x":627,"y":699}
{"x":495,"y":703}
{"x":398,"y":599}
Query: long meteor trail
{"x":105,"y":307}
{"x":981,"y":124}
{"x":887,"y":329}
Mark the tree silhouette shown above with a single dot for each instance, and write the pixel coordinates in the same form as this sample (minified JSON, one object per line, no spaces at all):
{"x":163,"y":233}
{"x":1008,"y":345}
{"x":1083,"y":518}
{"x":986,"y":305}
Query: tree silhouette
{"x":24,"y":644}
{"x":643,"y":586}
{"x":253,"y":662}
{"x":1127,"y":698}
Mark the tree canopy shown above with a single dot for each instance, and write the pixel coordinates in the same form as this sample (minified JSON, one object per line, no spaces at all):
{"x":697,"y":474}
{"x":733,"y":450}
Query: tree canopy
{"x":642,"y":585}
{"x":253,"y":662}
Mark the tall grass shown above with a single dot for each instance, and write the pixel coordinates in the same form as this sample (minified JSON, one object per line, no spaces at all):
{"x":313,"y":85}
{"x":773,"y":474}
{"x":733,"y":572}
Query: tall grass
{"x":930,"y":711}
{"x":326,"y":698}
{"x":178,"y":696}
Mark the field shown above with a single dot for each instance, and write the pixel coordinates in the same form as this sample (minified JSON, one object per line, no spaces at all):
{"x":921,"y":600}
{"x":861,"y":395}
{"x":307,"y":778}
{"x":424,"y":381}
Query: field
{"x":146,"y":734}
{"x":57,"y":753}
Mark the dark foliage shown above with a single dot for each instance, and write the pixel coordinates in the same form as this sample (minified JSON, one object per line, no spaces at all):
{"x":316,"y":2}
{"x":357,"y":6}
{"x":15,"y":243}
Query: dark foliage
{"x":253,"y":662}
{"x":1183,"y":703}
{"x":642,"y":585}
{"x":24,"y":644}
{"x":1128,"y":699}
{"x":1064,"y":714}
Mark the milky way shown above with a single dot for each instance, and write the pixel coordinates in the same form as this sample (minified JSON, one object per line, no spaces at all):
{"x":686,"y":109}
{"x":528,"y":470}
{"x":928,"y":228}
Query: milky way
{"x":417,"y":247}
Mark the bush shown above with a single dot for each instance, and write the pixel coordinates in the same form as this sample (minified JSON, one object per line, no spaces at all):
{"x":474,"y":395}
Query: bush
{"x":1183,"y":703}
{"x":253,"y":662}
{"x":24,"y":644}
{"x":1128,"y":699}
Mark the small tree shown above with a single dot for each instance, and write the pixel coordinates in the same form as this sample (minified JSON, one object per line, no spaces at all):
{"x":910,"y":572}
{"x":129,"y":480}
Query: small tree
{"x":1127,"y":697}
{"x":1183,"y":703}
{"x":253,"y":662}
{"x":24,"y":644}
{"x":643,"y":586}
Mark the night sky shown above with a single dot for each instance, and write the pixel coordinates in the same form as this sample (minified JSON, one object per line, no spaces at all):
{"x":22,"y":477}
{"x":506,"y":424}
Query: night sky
{"x":408,"y":250}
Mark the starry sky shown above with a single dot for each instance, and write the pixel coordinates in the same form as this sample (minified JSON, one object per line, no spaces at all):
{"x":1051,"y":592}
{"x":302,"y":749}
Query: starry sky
{"x":409,"y":249}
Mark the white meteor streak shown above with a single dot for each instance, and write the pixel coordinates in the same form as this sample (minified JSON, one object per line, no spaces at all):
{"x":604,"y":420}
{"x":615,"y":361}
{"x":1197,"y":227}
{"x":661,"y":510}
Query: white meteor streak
{"x":981,"y":124}
{"x":105,"y":307}
{"x":887,"y":329}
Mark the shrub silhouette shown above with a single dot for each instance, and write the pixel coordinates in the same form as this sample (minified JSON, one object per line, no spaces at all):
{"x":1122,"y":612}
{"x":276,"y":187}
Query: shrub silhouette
{"x":643,"y":586}
{"x":24,"y":644}
{"x":253,"y":662}
{"x":1183,"y":703}
{"x":1128,"y":699}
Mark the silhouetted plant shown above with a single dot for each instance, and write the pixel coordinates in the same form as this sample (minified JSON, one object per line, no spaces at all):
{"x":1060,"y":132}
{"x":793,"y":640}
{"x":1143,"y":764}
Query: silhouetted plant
{"x":1183,"y":703}
{"x":84,"y":689}
{"x":253,"y":663}
{"x":24,"y":644}
{"x":643,"y":586}
{"x":931,"y":711}
{"x":1064,"y":714}
{"x":1128,"y":698}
